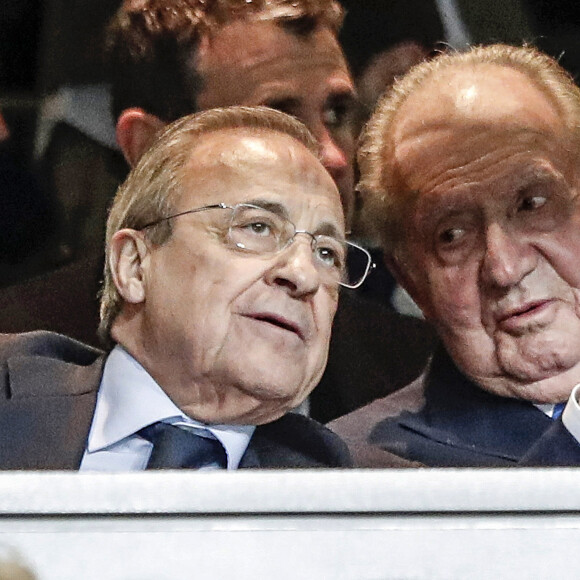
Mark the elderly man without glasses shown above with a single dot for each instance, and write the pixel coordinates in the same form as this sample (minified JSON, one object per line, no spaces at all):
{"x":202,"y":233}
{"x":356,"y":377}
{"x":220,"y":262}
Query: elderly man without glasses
{"x":225,"y":252}
{"x":470,"y":168}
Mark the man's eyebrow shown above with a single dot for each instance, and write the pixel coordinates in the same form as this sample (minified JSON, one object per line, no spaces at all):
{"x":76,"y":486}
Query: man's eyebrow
{"x":325,"y":228}
{"x":270,"y":205}
{"x":289,"y":105}
{"x":342,"y":96}
{"x":331,"y":230}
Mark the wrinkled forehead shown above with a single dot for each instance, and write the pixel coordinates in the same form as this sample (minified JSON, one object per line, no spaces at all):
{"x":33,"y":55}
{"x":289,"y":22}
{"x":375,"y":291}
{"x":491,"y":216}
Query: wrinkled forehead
{"x":472,"y":95}
{"x":237,"y":165}
{"x":246,"y":153}
{"x":468,"y":119}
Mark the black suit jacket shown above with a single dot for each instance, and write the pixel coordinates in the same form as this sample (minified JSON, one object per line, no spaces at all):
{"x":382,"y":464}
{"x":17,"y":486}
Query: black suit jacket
{"x":444,"y":419}
{"x":49,"y":387}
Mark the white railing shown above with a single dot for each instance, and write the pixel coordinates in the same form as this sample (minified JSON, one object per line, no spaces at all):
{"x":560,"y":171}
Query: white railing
{"x":371,"y":524}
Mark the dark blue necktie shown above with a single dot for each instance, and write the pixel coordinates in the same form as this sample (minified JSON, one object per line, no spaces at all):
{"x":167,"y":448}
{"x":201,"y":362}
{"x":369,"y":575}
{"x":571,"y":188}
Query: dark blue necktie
{"x":177,"y":448}
{"x":558,"y":410}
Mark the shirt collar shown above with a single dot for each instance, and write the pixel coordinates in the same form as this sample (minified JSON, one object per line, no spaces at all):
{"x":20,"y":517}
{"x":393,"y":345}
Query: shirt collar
{"x":571,"y":414}
{"x":546,"y":408}
{"x":130,"y":399}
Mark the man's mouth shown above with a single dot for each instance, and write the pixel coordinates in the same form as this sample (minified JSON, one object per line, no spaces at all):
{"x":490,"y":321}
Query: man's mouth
{"x":514,"y":317}
{"x":278,"y":321}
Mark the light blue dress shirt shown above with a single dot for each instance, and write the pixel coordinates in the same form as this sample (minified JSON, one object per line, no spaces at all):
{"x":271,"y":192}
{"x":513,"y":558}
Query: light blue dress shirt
{"x":128,"y":400}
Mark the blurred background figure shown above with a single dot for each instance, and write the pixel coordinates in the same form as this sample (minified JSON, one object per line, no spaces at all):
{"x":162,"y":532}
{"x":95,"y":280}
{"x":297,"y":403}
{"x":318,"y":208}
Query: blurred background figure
{"x":53,"y":95}
{"x":23,"y":212}
{"x":384,"y":68}
{"x":382,"y":41}
{"x":13,"y":566}
{"x":75,"y":145}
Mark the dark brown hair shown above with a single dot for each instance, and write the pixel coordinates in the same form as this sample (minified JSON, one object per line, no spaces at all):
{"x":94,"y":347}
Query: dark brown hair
{"x":150,"y":45}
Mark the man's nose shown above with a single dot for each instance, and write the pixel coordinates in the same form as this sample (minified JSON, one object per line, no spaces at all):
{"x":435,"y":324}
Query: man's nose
{"x":509,"y":258}
{"x":294,"y":268}
{"x":334,"y":158}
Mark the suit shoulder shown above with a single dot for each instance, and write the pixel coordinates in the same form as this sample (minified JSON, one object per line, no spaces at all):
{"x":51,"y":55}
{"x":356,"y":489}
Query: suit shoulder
{"x":358,"y":424}
{"x":356,"y":427}
{"x":373,"y":352}
{"x":47,"y":345}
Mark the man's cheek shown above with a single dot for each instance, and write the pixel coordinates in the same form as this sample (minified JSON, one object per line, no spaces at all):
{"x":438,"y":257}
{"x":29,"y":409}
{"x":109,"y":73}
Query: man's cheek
{"x":576,"y":293}
{"x":562,"y":251}
{"x":457,"y":299}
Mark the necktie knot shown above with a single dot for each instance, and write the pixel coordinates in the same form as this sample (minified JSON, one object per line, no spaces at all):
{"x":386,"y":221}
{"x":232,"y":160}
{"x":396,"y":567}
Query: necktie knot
{"x":178,"y":448}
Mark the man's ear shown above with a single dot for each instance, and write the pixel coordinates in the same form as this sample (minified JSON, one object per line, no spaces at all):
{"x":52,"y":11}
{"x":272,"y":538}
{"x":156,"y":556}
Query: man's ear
{"x":126,"y":259}
{"x":136,"y":131}
{"x":404,"y":277}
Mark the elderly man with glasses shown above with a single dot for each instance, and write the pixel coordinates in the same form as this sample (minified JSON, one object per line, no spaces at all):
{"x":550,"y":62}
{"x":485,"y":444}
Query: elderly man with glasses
{"x":225,"y":254}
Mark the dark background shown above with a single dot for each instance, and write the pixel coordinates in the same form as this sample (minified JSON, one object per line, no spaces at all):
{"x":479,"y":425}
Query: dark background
{"x":46,"y":44}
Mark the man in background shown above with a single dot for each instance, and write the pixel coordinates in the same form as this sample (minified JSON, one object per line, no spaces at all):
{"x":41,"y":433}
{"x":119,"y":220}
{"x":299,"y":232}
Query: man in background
{"x":167,"y":59}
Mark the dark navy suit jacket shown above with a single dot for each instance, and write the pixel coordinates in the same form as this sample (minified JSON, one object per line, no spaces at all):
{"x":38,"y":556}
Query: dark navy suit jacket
{"x":444,"y":419}
{"x":48,"y":393}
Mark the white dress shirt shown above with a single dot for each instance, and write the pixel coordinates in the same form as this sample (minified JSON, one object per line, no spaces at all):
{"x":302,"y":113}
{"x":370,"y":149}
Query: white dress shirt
{"x":128,"y":400}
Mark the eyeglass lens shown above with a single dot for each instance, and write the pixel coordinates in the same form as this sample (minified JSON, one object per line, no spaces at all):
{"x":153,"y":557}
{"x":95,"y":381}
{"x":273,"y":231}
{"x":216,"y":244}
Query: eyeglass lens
{"x":259,"y":230}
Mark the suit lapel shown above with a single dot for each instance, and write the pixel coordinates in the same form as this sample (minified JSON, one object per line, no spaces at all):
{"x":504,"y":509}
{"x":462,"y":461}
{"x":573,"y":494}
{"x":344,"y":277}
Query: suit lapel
{"x":459,"y":414}
{"x":268,"y":450}
{"x":46,"y":419}
{"x":295,"y":441}
{"x":557,"y":447}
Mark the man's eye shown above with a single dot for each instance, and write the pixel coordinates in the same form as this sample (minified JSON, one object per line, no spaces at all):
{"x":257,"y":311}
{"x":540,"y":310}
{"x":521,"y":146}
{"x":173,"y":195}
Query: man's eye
{"x":532,"y":202}
{"x":334,"y":117}
{"x":451,"y":235}
{"x":454,"y":243}
{"x":340,"y":110}
{"x":331,"y":254}
{"x":338,"y":115}
{"x":327,"y":256}
{"x":258,"y":228}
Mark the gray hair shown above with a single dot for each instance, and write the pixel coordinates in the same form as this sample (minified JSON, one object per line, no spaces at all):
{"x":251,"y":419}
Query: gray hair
{"x":154,"y":185}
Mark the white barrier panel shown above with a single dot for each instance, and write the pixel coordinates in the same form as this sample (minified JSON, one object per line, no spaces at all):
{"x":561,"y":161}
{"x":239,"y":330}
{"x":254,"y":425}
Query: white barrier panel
{"x":330,"y":524}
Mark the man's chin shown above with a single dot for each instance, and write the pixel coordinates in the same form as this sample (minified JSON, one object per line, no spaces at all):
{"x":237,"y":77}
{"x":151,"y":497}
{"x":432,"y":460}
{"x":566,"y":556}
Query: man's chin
{"x":537,"y":356}
{"x":538,"y":373}
{"x":521,"y":367}
{"x":267,"y":404}
{"x":264,"y":411}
